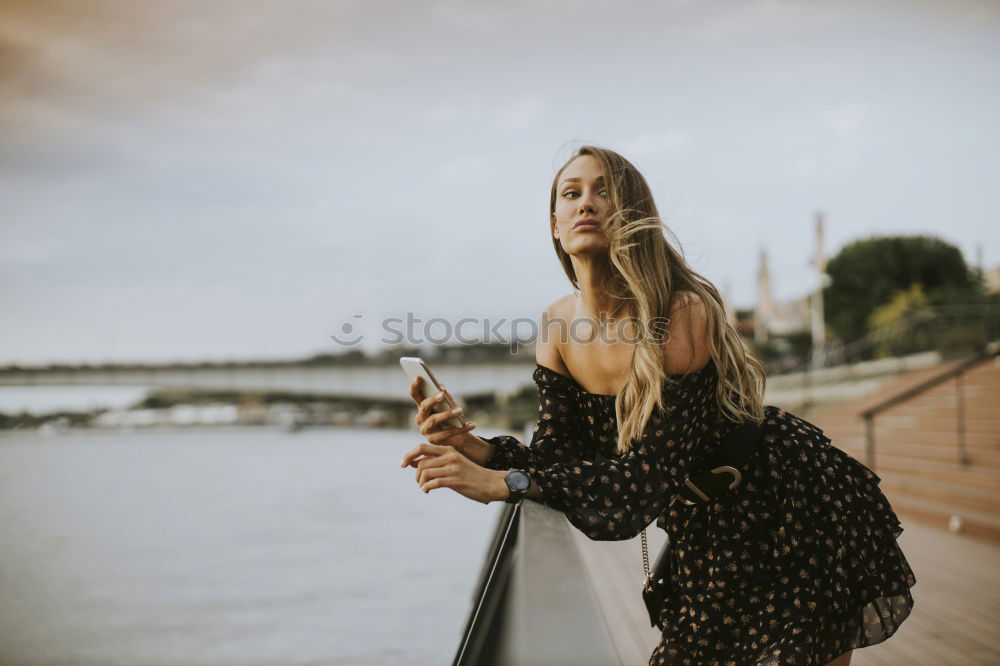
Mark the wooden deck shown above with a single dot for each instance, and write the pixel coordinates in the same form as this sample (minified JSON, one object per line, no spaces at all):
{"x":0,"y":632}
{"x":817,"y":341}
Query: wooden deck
{"x":956,"y":599}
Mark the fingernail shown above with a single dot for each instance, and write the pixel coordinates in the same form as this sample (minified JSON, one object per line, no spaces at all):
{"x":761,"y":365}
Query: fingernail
{"x":457,"y":410}
{"x":439,"y":396}
{"x":472,"y":425}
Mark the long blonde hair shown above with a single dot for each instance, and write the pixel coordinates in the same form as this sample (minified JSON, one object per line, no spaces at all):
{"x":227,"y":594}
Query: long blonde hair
{"x":645,"y":270}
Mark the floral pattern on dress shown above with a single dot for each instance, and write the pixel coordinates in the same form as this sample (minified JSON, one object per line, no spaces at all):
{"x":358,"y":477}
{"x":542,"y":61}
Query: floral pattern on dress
{"x":797,"y":565}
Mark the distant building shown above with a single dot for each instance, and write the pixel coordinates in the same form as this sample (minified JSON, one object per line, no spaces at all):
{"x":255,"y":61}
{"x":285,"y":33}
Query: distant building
{"x":991,"y":278}
{"x":771,"y":318}
{"x":801,"y":315}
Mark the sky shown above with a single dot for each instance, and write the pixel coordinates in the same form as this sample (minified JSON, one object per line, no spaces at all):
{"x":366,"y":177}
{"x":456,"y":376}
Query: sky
{"x":188,"y":181}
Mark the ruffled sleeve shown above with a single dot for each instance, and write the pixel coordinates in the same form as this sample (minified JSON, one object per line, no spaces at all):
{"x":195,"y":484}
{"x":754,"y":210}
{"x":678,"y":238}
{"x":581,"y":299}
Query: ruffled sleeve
{"x":555,"y":438}
{"x":614,"y":499}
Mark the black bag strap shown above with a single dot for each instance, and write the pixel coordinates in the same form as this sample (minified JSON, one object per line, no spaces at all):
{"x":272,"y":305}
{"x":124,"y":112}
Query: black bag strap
{"x":734,"y":450}
{"x":724,"y":470}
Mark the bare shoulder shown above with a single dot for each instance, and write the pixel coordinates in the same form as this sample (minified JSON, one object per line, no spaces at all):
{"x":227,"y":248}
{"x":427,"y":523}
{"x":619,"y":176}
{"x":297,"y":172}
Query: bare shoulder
{"x":555,"y":320}
{"x":687,"y":347}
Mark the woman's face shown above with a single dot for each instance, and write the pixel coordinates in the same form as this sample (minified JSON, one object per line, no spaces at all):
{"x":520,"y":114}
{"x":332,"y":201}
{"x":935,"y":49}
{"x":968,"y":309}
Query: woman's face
{"x":582,"y":207}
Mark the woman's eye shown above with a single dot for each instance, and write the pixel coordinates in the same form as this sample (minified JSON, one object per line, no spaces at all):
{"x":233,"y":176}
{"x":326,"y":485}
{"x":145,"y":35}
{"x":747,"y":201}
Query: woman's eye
{"x":569,"y":192}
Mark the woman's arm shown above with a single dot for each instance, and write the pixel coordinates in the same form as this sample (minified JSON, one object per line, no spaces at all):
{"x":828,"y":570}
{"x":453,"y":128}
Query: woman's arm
{"x":616,"y":499}
{"x":434,"y":427}
{"x":608,"y":500}
{"x":605,"y":499}
{"x":555,"y":428}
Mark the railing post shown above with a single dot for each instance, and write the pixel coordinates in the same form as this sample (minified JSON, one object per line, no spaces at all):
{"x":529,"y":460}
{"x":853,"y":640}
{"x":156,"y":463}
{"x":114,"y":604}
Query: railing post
{"x":963,"y":458}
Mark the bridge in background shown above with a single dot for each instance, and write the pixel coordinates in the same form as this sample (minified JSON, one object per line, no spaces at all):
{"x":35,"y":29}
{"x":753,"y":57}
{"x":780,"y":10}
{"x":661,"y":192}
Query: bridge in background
{"x":468,"y":380}
{"x":364,"y":381}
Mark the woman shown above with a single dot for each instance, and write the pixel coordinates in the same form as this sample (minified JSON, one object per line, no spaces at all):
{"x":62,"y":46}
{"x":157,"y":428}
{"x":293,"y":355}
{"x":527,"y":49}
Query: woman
{"x":798,"y":564}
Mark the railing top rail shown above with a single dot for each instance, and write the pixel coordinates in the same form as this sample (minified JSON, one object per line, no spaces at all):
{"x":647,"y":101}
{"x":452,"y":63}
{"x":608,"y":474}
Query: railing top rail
{"x":991,"y":350}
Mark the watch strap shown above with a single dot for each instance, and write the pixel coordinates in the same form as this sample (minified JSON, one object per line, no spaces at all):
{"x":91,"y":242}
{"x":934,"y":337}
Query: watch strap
{"x":516,"y":494}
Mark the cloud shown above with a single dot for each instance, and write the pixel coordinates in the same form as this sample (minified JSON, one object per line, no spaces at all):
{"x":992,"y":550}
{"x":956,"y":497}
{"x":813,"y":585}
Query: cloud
{"x":757,"y":19}
{"x":519,"y":113}
{"x":672,"y":142}
{"x":461,"y":170}
{"x":845,"y":120}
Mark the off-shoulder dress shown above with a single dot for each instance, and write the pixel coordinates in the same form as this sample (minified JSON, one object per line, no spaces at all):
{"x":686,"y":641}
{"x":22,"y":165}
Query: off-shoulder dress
{"x":797,"y":565}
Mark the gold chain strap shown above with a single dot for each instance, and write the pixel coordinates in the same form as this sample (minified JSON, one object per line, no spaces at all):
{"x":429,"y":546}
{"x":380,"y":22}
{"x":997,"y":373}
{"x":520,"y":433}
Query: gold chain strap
{"x":645,"y":554}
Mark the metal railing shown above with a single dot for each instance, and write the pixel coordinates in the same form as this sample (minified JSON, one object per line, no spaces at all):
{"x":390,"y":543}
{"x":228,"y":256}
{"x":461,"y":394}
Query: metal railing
{"x":954,"y":330}
{"x":533,"y":605}
{"x":955,"y":372}
{"x":920,"y":340}
{"x":481,"y":638}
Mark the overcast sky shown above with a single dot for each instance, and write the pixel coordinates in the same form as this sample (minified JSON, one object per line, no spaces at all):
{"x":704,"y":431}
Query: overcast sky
{"x":236,"y":180}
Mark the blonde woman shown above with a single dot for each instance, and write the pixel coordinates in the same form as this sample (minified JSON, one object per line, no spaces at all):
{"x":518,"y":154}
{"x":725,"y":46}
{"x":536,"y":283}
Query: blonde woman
{"x":798,"y":564}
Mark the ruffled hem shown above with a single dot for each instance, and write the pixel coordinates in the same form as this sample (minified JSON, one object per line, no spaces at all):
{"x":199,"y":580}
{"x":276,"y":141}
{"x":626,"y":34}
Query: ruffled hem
{"x":810,"y":520}
{"x":810,"y":643}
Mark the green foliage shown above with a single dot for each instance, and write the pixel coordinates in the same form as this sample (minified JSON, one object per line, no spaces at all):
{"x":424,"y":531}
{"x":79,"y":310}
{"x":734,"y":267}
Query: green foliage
{"x":891,"y":318}
{"x":766,"y":352}
{"x":800,"y":344}
{"x":903,"y":304}
{"x":868,"y":273}
{"x":27,"y":420}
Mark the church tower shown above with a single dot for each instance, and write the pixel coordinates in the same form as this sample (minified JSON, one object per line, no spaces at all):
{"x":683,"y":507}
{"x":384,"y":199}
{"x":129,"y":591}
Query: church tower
{"x":764,"y":311}
{"x":817,"y":321}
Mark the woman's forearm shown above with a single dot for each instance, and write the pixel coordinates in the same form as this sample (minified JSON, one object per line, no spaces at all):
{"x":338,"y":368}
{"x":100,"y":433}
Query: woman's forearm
{"x":480,"y":451}
{"x":501,"y":492}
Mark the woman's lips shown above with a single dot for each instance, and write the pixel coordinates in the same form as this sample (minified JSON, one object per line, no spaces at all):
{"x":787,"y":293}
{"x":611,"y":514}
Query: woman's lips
{"x":587,"y":226}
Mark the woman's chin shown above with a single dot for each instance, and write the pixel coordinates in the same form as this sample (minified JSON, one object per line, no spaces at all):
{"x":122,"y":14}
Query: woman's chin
{"x":583,"y":247}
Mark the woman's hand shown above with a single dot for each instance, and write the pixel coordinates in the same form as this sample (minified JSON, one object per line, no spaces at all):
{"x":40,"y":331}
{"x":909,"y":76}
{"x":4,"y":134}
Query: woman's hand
{"x":436,"y":431}
{"x":444,"y":467}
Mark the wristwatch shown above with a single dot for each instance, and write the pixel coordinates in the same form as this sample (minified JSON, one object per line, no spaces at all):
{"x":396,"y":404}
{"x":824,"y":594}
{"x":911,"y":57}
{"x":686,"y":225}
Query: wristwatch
{"x":518,"y":483}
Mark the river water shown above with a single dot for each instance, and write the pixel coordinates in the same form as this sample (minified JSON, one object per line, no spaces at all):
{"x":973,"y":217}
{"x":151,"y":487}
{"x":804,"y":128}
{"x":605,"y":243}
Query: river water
{"x":239,"y":546}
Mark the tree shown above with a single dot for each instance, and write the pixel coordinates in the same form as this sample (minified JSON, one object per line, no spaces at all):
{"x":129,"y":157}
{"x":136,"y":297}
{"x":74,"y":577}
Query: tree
{"x":868,"y":273}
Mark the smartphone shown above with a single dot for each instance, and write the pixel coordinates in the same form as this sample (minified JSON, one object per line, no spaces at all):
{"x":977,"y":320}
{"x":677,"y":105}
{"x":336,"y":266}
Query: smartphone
{"x":414,"y":366}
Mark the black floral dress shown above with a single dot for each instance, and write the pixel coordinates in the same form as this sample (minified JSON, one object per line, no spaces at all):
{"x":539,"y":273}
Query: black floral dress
{"x":797,"y":565}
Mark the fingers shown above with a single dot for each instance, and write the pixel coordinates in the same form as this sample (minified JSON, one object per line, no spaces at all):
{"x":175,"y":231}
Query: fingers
{"x":445,"y":436}
{"x":414,"y":462}
{"x":434,"y":468}
{"x":425,"y":449}
{"x":417,"y":395}
{"x":448,"y":395}
{"x":451,"y":400}
{"x":425,"y":406}
{"x":415,"y":391}
{"x":442,"y":482}
{"x":437,"y":421}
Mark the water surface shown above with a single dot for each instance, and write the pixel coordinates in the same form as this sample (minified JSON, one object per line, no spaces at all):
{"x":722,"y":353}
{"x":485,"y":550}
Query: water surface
{"x":233,"y":546}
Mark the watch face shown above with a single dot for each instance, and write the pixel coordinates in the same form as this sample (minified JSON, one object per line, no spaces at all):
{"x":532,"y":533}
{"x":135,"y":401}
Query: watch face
{"x":518,"y":480}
